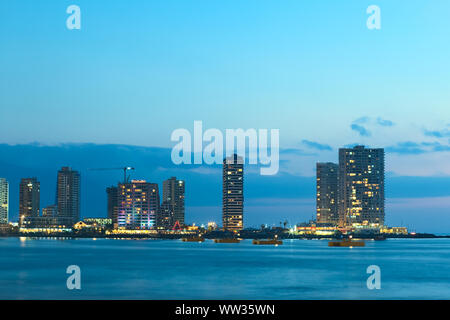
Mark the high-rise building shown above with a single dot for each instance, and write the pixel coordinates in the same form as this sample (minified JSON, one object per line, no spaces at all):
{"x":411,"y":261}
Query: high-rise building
{"x":327,"y":192}
{"x":173,"y":193}
{"x":68,"y":194}
{"x":361,"y":187}
{"x":50,"y":211}
{"x":138,"y":205}
{"x":4,"y":200}
{"x":113,"y":203}
{"x":233,"y":193}
{"x":166,"y":216}
{"x":29,"y":197}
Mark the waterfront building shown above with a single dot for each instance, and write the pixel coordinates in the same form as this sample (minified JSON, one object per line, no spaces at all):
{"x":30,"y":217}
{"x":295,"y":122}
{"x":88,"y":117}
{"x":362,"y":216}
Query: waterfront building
{"x":361,"y":187}
{"x":46,"y":222}
{"x":212,"y":226}
{"x":102,"y":222}
{"x":166,"y":219}
{"x":4,"y":201}
{"x":50,"y":211}
{"x":68,"y":194}
{"x":173,"y":193}
{"x":29,"y":198}
{"x":138,"y":205}
{"x":327,"y":192}
{"x":314,"y":228}
{"x":233,"y":193}
{"x":93,"y":224}
{"x":112,"y":204}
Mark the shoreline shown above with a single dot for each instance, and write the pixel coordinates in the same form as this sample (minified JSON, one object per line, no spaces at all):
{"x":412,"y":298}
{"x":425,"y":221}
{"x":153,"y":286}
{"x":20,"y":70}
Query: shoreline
{"x":209,"y":237}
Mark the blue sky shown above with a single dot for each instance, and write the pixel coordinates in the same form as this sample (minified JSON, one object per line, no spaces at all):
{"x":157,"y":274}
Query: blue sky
{"x":137,"y":70}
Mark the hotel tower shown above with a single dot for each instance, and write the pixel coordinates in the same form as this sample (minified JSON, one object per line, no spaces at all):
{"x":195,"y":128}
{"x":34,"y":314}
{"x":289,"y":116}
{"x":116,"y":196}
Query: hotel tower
{"x":233,"y":193}
{"x":361,"y":187}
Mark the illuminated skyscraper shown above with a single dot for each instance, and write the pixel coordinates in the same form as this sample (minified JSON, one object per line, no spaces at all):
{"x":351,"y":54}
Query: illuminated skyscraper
{"x":138,"y":205}
{"x":233,"y":193}
{"x":4,"y":200}
{"x":173,"y":194}
{"x":361,"y":187}
{"x":29,"y":198}
{"x":68,"y":195}
{"x":327,"y":193}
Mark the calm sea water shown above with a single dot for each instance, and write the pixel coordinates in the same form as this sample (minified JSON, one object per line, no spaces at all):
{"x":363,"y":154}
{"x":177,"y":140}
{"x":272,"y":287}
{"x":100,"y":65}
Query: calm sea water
{"x":171,"y":269}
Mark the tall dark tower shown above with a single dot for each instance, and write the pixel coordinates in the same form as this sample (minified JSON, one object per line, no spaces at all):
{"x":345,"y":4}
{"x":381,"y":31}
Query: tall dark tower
{"x":361,"y":187}
{"x":68,"y":195}
{"x":173,"y":197}
{"x":327,"y":193}
{"x":29,"y":198}
{"x":233,"y":193}
{"x":113,"y":203}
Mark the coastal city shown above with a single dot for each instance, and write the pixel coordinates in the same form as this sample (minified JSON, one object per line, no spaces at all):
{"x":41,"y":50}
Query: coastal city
{"x":350,"y":200}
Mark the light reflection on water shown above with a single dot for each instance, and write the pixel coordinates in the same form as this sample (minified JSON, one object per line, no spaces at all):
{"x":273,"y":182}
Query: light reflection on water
{"x":172,"y":269}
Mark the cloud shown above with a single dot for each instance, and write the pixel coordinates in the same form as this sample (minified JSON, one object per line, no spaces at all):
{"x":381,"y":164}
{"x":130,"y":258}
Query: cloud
{"x":362,"y":124}
{"x":361,"y":130}
{"x":385,"y":123}
{"x":362,"y":120}
{"x":294,"y":151}
{"x":316,"y":145}
{"x":437,"y":133}
{"x":409,"y":147}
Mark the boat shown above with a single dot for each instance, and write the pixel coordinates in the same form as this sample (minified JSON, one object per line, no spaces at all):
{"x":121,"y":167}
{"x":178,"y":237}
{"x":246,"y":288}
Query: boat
{"x":346,"y":243}
{"x":268,"y":241}
{"x":227,"y":240}
{"x":193,"y":239}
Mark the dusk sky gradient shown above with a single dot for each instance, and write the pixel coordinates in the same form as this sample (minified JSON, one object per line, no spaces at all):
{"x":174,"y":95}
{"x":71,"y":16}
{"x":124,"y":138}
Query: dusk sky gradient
{"x":137,"y":70}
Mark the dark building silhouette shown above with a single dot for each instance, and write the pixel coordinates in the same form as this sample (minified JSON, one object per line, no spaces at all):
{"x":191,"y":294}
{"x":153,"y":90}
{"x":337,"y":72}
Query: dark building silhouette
{"x":327,"y":193}
{"x":173,"y":194}
{"x":29,"y":198}
{"x":50,"y":211}
{"x":361,"y":187}
{"x":68,"y":195}
{"x":138,"y":205}
{"x":233,"y":193}
{"x":166,"y":218}
{"x":112,"y":204}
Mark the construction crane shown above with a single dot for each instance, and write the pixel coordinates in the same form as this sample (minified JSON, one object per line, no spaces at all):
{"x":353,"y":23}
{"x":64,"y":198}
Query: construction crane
{"x":125,"y":169}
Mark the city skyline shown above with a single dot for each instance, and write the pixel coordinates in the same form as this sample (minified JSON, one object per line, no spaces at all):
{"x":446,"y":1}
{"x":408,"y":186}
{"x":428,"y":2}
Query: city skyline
{"x":265,"y":215}
{"x":312,"y":70}
{"x":348,"y":194}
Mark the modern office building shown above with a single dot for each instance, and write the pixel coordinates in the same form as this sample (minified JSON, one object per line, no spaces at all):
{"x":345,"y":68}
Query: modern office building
{"x":29,"y":198}
{"x":4,"y":201}
{"x":361,"y":187}
{"x":68,"y":194}
{"x":112,"y":204}
{"x":50,"y":211}
{"x":166,"y":215}
{"x":233,"y":193}
{"x":173,"y":193}
{"x":138,"y":205}
{"x":327,"y":192}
